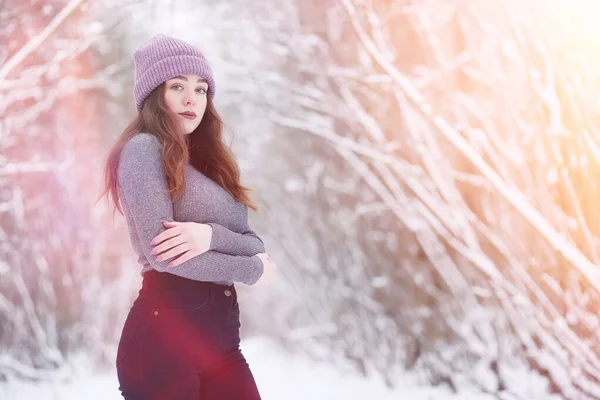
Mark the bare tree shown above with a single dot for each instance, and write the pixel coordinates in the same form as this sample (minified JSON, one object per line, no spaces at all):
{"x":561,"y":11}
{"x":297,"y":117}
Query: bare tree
{"x":427,"y":175}
{"x":447,"y":172}
{"x":466,"y":131}
{"x":58,"y":264}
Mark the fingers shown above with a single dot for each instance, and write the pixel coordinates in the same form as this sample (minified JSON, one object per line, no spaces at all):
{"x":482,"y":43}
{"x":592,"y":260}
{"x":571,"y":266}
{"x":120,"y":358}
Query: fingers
{"x":167,"y":244}
{"x":173,"y":252}
{"x":171,"y":231}
{"x":181,"y":259}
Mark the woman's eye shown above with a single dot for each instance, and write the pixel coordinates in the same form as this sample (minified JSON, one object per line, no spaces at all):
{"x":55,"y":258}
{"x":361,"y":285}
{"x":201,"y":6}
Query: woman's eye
{"x":201,"y":90}
{"x":175,"y":86}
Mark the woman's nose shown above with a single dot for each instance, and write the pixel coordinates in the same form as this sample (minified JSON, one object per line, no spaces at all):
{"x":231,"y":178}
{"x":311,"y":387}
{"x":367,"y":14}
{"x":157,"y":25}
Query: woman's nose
{"x":188,"y":99}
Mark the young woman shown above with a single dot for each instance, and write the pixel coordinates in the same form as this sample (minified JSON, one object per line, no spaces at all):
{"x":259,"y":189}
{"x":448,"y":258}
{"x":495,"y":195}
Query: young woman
{"x":187,"y":215}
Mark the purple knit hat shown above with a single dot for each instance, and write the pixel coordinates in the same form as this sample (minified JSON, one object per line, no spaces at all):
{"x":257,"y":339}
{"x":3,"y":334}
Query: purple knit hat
{"x":163,"y":58}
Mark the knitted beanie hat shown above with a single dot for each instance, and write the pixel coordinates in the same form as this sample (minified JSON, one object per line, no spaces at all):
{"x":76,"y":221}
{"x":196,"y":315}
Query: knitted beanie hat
{"x":163,"y":58}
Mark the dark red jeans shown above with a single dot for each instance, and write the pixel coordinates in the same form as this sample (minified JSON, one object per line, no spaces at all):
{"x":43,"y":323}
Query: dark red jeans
{"x":180,"y":341}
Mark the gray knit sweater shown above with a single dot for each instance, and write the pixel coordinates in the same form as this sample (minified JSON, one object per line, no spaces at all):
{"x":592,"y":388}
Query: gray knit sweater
{"x":145,"y":200}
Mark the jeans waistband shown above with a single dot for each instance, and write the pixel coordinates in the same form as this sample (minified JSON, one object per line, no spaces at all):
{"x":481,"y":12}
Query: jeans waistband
{"x":163,"y":280}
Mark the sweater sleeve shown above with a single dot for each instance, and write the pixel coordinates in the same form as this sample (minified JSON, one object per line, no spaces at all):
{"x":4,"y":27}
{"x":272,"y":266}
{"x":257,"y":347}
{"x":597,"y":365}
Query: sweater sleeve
{"x":145,"y":196}
{"x":227,"y":241}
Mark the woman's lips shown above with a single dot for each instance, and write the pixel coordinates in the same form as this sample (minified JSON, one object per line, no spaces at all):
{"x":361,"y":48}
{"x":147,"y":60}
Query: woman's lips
{"x":188,"y":115}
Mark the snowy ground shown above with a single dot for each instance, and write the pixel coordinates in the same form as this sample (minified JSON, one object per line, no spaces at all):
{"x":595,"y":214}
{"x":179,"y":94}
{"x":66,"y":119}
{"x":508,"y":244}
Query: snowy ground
{"x":278,"y":375}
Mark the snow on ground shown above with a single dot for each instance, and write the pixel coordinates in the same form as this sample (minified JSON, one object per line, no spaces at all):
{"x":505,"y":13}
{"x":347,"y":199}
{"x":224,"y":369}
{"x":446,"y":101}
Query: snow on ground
{"x":278,"y":375}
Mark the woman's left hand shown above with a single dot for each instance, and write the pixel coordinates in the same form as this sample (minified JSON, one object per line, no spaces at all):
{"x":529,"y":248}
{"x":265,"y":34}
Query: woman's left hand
{"x":187,"y":238}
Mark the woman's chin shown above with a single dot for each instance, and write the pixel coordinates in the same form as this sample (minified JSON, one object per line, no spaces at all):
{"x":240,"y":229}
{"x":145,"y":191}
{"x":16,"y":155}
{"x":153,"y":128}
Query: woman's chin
{"x":189,"y":128}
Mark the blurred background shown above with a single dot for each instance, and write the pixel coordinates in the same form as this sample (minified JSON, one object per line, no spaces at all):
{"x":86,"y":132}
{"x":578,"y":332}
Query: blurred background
{"x":426,"y":171}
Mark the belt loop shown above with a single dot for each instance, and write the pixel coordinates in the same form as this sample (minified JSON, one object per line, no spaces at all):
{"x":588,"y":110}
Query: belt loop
{"x":212,"y":293}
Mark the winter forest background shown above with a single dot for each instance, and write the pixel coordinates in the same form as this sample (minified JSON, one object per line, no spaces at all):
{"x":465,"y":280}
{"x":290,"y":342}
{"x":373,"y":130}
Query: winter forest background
{"x":426,"y":171}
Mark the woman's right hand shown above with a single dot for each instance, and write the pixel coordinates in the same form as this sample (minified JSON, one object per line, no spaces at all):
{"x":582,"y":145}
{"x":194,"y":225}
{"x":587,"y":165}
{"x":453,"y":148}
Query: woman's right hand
{"x":269,"y":270}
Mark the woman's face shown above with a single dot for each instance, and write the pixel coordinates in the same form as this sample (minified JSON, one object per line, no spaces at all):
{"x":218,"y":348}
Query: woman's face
{"x":186,"y":96}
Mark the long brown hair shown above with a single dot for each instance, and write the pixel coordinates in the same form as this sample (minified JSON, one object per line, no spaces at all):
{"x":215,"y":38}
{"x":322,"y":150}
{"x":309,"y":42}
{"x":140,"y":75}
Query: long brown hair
{"x":203,"y":148}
